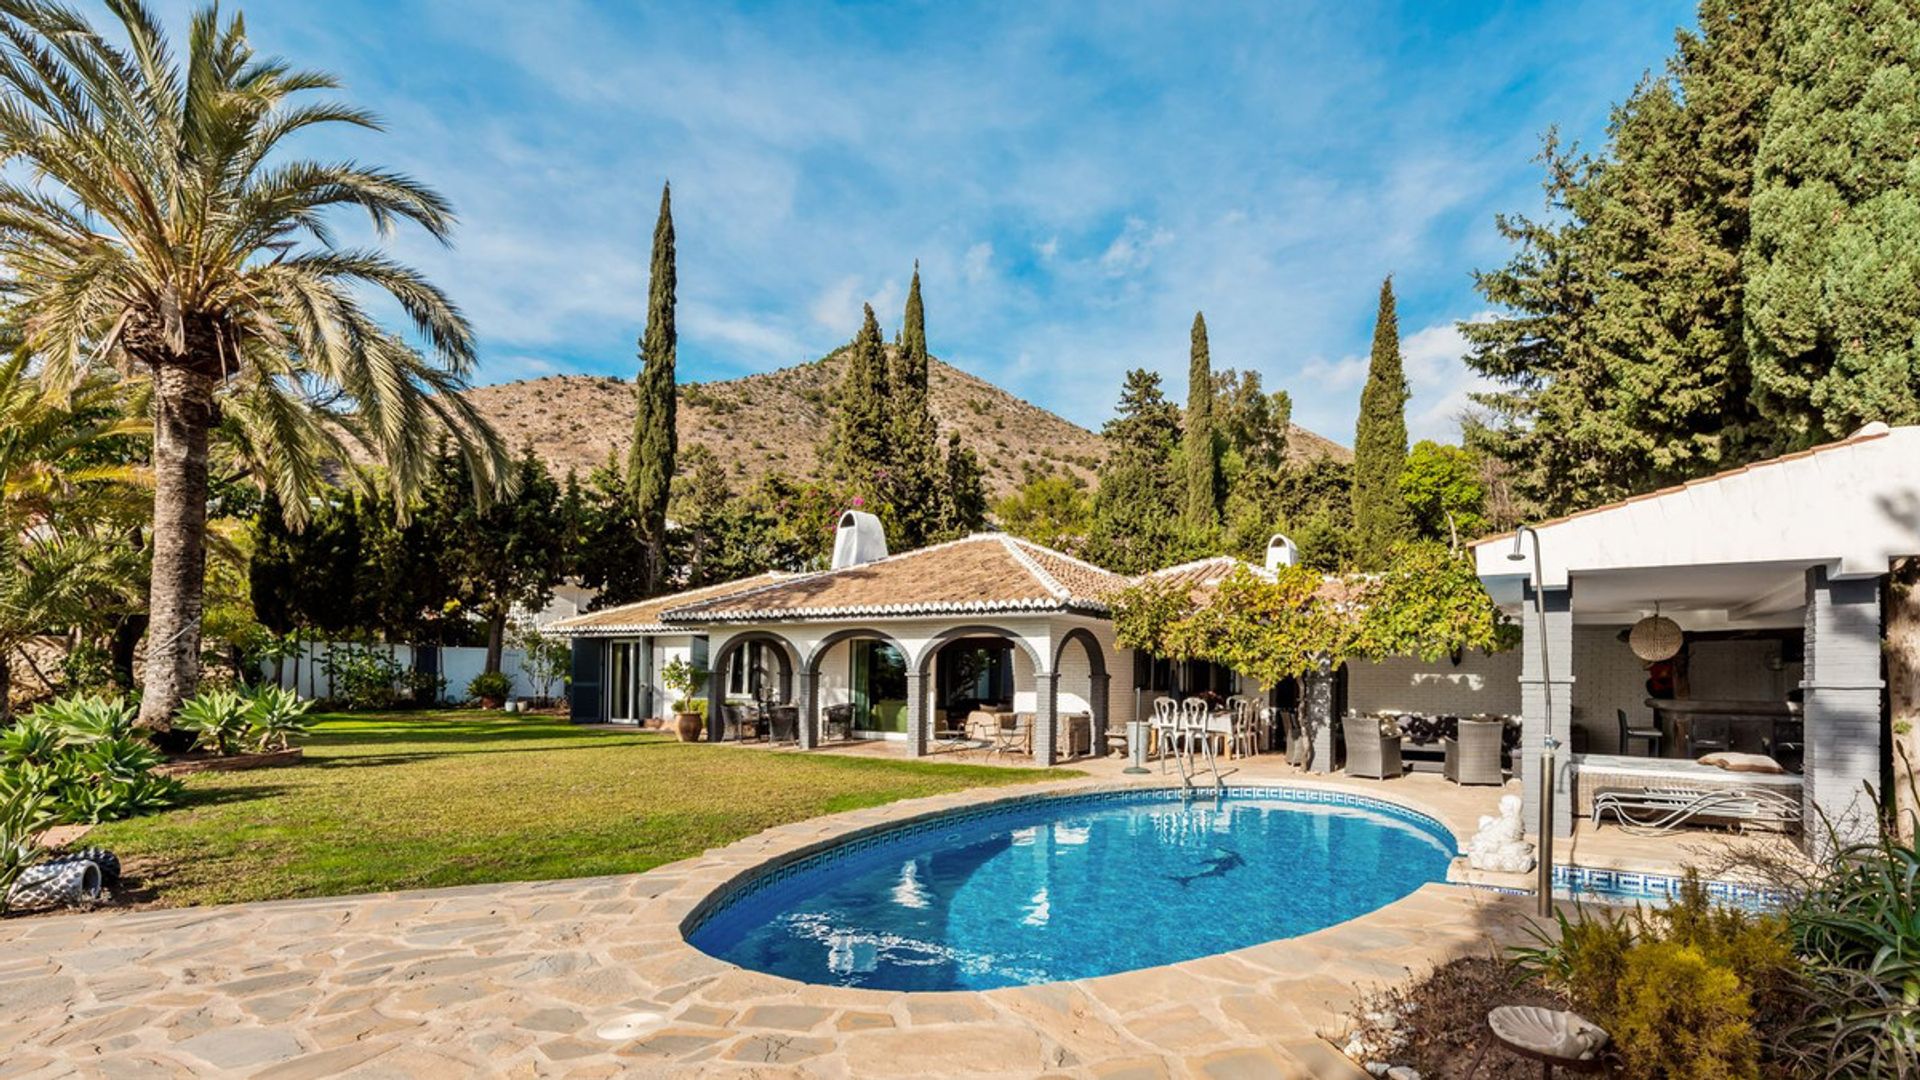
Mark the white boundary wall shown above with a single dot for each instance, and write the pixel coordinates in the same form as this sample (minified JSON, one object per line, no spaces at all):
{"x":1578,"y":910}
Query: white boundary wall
{"x":306,"y":674}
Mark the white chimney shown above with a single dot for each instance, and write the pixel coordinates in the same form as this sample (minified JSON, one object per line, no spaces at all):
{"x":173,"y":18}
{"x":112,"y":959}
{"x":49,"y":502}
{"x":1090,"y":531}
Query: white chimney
{"x":1281,"y":552}
{"x":859,"y":539}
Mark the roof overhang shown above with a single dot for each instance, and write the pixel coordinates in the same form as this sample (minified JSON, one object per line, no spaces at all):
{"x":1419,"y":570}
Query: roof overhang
{"x":1729,"y":551}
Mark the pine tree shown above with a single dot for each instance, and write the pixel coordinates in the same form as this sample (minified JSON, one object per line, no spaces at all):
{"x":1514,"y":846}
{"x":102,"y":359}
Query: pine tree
{"x":860,"y":451}
{"x":1201,"y":451}
{"x":1620,"y":344}
{"x":650,"y":463}
{"x":1833,"y":271}
{"x":1380,"y":518}
{"x":917,"y":492}
{"x":1135,"y":506}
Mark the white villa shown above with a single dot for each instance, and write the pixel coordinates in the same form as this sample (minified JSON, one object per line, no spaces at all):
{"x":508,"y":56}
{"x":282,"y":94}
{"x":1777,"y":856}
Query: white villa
{"x":1770,"y":575}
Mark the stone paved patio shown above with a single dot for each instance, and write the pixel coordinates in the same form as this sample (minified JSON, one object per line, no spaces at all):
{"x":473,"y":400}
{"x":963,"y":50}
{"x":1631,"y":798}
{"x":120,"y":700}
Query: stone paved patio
{"x":590,"y":977}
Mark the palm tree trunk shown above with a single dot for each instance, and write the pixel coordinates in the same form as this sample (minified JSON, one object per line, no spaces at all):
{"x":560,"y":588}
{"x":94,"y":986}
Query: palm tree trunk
{"x":183,"y":416}
{"x":6,"y":684}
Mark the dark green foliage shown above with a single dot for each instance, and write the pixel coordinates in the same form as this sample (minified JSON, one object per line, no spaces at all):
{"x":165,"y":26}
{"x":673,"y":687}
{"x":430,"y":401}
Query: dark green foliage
{"x":510,"y":554}
{"x":1200,"y":451}
{"x":965,"y":505}
{"x":860,"y":435}
{"x":1380,"y":443}
{"x":1252,"y":425}
{"x":1833,"y":271}
{"x":611,"y":557}
{"x":916,"y":473}
{"x":1135,"y":512}
{"x":650,"y":464}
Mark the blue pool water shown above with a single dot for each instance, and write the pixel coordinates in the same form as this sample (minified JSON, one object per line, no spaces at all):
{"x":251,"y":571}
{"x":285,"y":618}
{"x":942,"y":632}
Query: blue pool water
{"x":1074,"y":887}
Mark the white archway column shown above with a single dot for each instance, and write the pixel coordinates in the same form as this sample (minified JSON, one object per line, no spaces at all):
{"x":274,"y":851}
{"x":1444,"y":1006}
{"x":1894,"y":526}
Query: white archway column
{"x":1046,"y":710}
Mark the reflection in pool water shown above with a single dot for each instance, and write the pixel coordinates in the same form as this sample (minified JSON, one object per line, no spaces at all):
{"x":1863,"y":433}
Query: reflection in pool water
{"x":1076,"y":887}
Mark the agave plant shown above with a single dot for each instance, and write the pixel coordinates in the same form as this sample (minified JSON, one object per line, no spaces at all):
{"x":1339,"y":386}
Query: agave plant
{"x":32,"y":740}
{"x":23,"y":817}
{"x":1858,"y":932}
{"x":83,"y":721}
{"x":278,"y":717}
{"x":219,"y":717}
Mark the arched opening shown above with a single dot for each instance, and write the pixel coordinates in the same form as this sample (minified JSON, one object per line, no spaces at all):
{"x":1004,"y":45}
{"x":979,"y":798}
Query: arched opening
{"x":861,"y":684}
{"x":752,"y":673}
{"x":979,"y":679}
{"x":1082,"y":692}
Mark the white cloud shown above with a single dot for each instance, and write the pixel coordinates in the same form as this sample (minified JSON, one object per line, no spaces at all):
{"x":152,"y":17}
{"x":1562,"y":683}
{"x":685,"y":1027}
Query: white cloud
{"x":1047,"y":248}
{"x":977,"y":262}
{"x":1132,"y":250}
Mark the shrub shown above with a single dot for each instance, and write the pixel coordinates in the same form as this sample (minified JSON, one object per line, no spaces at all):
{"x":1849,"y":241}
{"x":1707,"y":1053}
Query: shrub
{"x":1679,"y":989}
{"x":1677,"y":1013}
{"x":79,"y":760}
{"x":490,"y":686}
{"x":276,"y":717}
{"x":218,"y":719}
{"x":363,"y":676}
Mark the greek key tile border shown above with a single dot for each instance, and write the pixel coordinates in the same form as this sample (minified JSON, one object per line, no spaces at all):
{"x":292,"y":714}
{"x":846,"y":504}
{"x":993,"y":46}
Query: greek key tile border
{"x":1636,"y":885}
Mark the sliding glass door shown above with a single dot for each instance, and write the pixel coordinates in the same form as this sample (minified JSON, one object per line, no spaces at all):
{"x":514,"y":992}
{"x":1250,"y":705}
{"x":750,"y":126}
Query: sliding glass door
{"x":623,"y":703}
{"x":879,"y":684}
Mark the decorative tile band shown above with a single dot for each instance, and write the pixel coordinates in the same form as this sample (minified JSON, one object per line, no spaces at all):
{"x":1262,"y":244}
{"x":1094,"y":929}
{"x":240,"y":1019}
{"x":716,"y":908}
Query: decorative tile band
{"x":1637,"y":885}
{"x":811,"y":858}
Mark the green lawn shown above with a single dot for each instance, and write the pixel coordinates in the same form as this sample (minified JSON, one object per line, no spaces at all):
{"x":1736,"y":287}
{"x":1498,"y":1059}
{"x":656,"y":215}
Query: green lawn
{"x":409,"y":800}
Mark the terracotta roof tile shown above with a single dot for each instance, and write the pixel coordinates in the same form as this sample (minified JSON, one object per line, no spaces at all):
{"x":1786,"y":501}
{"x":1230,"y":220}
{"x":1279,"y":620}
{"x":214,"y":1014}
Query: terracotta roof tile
{"x":981,"y":573}
{"x":643,"y":617}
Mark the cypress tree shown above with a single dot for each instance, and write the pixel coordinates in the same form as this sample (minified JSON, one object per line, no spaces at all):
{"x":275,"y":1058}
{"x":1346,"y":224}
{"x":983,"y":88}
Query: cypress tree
{"x":916,"y":468}
{"x":650,"y":462}
{"x":860,"y":437}
{"x":1380,"y":517}
{"x":1201,"y":452}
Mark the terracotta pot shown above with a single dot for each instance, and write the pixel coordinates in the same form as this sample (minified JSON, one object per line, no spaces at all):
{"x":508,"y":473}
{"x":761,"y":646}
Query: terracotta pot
{"x":688,"y":725}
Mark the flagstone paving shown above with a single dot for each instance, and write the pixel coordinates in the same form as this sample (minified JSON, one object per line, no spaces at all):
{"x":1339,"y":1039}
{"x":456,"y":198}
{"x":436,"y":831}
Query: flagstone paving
{"x":591,"y":977}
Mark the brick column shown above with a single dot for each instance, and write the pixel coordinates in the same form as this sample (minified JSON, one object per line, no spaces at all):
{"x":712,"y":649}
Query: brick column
{"x":1546,"y":707}
{"x":918,"y":719}
{"x":1841,"y":691}
{"x":807,"y":697}
{"x":1100,"y":689}
{"x":1046,"y":706}
{"x":1316,"y":719}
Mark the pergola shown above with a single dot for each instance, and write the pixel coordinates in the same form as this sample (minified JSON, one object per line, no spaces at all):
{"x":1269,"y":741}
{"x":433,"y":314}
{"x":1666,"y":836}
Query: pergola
{"x":1803,"y":540}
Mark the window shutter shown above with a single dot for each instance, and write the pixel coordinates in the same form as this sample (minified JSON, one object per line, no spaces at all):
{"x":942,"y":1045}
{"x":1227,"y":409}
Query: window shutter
{"x":586,"y":703}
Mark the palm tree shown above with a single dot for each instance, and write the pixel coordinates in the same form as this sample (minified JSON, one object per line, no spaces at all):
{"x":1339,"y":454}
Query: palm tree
{"x":66,"y":506}
{"x":150,"y":222}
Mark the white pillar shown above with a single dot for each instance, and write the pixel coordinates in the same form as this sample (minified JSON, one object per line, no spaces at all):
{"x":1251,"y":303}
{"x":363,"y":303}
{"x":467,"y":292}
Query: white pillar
{"x":1547,"y":706}
{"x":1841,"y":692}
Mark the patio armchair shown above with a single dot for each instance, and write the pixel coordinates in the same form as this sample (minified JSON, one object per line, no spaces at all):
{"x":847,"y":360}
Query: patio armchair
{"x":783,"y":723}
{"x":1370,"y":751}
{"x":1473,"y":753}
{"x":838,"y":718}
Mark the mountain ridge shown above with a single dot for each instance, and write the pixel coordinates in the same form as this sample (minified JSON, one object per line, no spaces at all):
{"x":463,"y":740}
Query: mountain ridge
{"x":774,"y":421}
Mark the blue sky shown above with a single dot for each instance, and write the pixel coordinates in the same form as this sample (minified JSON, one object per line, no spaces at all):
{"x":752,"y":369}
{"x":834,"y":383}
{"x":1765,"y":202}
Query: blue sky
{"x":1075,"y":181}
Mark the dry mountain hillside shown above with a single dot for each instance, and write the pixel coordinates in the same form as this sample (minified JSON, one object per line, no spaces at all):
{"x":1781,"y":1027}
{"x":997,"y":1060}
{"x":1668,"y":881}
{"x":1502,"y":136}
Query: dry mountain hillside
{"x":774,"y":422}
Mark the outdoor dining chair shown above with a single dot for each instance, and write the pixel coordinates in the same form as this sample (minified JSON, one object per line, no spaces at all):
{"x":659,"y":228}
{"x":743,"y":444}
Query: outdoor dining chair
{"x":1166,"y":727}
{"x":1628,"y":733}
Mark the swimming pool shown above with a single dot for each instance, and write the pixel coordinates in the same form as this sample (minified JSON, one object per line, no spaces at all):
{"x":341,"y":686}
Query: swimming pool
{"x":1045,"y":889}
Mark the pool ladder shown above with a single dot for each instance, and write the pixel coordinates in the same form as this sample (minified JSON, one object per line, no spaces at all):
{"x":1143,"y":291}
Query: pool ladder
{"x":1190,"y":767}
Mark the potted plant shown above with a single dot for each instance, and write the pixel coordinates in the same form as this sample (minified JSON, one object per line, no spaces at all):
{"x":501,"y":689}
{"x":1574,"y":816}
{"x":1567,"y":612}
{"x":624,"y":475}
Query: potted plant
{"x":490,"y":688}
{"x":685,"y":679}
